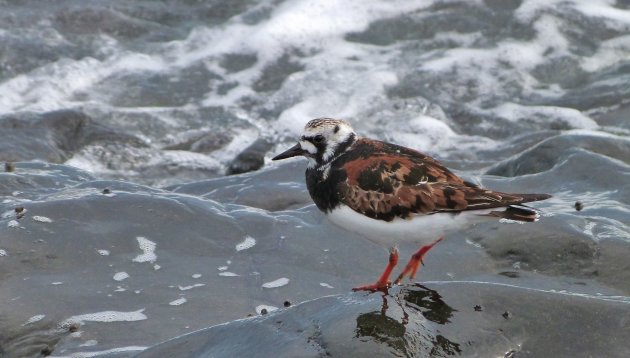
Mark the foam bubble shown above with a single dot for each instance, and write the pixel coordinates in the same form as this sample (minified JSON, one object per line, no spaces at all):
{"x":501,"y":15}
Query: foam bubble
{"x":570,"y":117}
{"x":3,"y":253}
{"x":103,"y":252}
{"x":119,"y":276}
{"x":228,"y":274}
{"x":106,"y":317}
{"x":283,"y":281}
{"x":42,"y":219}
{"x":248,"y":243}
{"x":148,"y":250}
{"x":89,"y":343}
{"x":178,"y":302}
{"x":34,"y":319}
{"x":324,"y":284}
{"x":112,"y":352}
{"x":13,"y":223}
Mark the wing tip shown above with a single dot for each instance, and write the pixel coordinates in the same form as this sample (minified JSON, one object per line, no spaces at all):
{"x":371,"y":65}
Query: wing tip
{"x":517,"y":213}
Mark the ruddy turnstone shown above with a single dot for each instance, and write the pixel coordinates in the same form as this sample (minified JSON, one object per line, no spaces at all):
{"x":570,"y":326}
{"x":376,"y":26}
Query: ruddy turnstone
{"x":390,"y":193}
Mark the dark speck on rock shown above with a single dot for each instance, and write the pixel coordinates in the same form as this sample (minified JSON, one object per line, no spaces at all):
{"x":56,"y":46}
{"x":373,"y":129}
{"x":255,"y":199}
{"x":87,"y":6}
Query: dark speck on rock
{"x":73,"y":328}
{"x":510,"y":274}
{"x":478,"y":308}
{"x":107,"y":191}
{"x":287,"y":304}
{"x":46,"y":351}
{"x":579,"y":206}
{"x":9,"y":167}
{"x":263,"y":311}
{"x":507,"y":315}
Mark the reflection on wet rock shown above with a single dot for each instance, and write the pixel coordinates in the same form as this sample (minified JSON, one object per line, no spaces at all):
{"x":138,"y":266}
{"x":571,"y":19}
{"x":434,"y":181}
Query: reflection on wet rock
{"x":429,"y":303}
{"x":404,"y":332}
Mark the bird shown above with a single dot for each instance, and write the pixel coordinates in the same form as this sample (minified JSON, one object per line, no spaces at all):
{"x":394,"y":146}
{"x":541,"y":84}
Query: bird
{"x":391,"y":194}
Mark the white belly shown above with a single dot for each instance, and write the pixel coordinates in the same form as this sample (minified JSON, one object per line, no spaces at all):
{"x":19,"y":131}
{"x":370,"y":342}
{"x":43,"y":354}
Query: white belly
{"x":422,"y":229}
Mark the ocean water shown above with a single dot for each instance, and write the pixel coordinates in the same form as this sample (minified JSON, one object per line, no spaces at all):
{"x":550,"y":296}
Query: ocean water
{"x":126,"y":120}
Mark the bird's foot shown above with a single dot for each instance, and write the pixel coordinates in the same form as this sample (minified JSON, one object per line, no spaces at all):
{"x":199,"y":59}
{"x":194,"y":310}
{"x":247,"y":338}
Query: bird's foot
{"x":415,"y":261}
{"x":383,"y":283}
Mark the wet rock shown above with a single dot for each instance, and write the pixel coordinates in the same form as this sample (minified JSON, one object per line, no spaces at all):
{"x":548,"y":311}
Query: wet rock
{"x":274,"y":74}
{"x":578,"y":206}
{"x":419,"y":321}
{"x":158,"y":89}
{"x":284,"y":188}
{"x":565,"y":71}
{"x":203,"y":143}
{"x":252,"y":158}
{"x":106,"y":20}
{"x":39,"y":177}
{"x":554,"y":150}
{"x":61,"y":133}
{"x":196,"y":229}
{"x":236,"y":62}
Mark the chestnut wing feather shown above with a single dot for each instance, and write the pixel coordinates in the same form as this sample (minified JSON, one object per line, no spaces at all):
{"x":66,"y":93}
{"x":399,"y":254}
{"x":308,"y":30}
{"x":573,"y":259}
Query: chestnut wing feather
{"x":385,"y":186}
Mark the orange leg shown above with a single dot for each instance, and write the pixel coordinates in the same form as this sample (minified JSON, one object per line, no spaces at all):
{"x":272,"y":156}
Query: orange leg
{"x":383,"y":282}
{"x":415,"y":261}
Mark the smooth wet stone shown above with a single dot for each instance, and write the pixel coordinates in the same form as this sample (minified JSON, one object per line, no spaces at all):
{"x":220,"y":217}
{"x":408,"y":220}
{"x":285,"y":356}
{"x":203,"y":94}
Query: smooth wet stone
{"x":283,"y":183}
{"x":60,"y":134}
{"x":251,"y":158}
{"x":544,"y":155}
{"x":440,"y":319}
{"x":216,"y":243}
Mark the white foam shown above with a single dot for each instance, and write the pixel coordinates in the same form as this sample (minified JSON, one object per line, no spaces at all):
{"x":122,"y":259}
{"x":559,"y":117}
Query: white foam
{"x":103,"y":252}
{"x":186,"y":288}
{"x":324,"y":284}
{"x":148,"y":250}
{"x":119,"y":276}
{"x":34,"y":319}
{"x":113,"y":351}
{"x":42,"y":219}
{"x":106,"y":317}
{"x":196,"y":275}
{"x":89,"y":343}
{"x":248,"y":243}
{"x":541,"y":114}
{"x":602,"y":8}
{"x":259,"y":308}
{"x":228,"y":274}
{"x":283,"y":281}
{"x":53,"y":86}
{"x":13,"y":223}
{"x":3,"y":253}
{"x":178,"y":302}
{"x":610,"y":53}
{"x":423,"y":133}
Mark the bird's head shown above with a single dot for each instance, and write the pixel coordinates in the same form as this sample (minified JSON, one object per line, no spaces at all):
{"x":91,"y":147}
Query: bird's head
{"x":323,"y":139}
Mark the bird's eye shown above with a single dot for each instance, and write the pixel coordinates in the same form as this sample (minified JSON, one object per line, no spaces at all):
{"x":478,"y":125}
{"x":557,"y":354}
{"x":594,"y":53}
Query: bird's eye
{"x":318,"y":138}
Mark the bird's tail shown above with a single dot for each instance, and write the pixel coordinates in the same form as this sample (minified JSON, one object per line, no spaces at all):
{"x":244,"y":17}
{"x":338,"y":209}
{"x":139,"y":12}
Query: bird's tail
{"x":532,"y":197}
{"x":517,"y":213}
